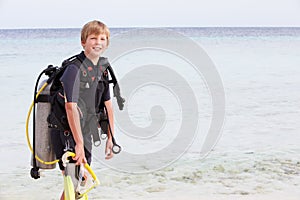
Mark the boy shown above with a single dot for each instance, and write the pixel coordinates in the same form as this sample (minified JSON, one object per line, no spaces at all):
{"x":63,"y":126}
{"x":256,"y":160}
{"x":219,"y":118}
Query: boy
{"x":84,"y":90}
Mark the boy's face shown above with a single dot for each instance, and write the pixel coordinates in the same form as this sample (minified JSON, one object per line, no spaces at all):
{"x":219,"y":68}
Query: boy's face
{"x":95,"y":45}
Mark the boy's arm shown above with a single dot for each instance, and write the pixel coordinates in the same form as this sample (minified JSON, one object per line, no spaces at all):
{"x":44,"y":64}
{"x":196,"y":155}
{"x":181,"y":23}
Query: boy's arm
{"x":74,"y":123}
{"x":108,"y":150}
{"x":71,"y":84}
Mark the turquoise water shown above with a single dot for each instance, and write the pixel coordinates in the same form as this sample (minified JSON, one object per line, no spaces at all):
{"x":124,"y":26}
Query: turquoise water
{"x":259,"y":68}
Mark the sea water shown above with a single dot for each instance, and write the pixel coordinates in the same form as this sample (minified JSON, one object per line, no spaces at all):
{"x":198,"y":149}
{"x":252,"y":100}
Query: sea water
{"x":257,"y":151}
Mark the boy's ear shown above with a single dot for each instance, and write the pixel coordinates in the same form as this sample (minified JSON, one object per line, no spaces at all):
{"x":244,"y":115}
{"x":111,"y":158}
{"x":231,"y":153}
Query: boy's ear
{"x":82,"y":44}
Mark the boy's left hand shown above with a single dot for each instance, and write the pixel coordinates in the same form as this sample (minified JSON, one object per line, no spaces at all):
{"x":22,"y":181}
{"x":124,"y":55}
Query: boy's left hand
{"x":108,"y":149}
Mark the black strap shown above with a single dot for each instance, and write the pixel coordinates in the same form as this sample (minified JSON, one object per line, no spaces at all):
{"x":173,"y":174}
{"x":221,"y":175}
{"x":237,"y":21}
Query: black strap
{"x":116,"y":88}
{"x":44,"y":98}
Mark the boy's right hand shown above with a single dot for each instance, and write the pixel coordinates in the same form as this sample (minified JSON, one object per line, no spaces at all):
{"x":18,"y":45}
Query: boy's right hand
{"x":80,"y":156}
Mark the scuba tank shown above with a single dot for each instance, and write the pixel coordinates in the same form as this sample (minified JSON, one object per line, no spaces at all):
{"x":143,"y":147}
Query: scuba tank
{"x":43,"y":145}
{"x":42,"y":152}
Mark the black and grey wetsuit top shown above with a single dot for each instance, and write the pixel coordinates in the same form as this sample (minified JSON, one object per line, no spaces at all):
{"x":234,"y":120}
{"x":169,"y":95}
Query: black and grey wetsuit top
{"x":87,"y":83}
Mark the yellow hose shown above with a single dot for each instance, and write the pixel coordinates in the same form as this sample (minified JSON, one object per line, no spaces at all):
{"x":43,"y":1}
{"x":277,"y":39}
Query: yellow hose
{"x":97,"y":182}
{"x":27,"y":131}
{"x":89,"y":169}
{"x":72,"y":154}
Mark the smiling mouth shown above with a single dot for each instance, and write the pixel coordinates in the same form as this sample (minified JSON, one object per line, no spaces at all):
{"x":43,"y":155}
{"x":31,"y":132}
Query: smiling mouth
{"x":97,"y":48}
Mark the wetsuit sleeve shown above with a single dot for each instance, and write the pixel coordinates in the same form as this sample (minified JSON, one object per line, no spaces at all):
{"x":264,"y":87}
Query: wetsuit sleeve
{"x":71,"y":83}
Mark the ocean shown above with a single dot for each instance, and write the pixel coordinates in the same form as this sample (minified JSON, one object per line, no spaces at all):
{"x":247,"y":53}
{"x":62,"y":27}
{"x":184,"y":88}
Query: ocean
{"x":210,"y":113}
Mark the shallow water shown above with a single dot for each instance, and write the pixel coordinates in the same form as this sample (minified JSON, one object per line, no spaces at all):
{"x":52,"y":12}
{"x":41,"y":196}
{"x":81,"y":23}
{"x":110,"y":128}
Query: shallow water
{"x":257,"y":154}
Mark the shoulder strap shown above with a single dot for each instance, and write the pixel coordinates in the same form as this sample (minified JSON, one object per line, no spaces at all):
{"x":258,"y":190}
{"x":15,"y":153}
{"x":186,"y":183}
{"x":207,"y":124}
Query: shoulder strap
{"x":116,"y":89}
{"x":72,"y":60}
{"x":84,"y":75}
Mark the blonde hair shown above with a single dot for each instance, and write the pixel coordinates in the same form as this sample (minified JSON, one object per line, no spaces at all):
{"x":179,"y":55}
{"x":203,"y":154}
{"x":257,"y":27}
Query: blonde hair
{"x":94,"y":27}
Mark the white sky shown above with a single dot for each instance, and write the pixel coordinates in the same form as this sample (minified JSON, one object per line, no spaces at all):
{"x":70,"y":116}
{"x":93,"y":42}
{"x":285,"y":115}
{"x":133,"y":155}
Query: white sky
{"x":150,"y":13}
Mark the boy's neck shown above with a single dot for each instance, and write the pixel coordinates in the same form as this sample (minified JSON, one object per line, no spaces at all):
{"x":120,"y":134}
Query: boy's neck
{"x":94,"y":60}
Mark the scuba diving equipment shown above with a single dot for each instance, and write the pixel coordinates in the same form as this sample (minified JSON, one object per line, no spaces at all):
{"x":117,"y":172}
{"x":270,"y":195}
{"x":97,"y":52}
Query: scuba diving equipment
{"x":103,"y":118}
{"x":103,"y":122}
{"x":78,"y":179}
{"x":116,"y":89}
{"x":43,"y":98}
{"x":105,"y":129}
{"x":57,"y":118}
{"x":35,"y":170}
{"x":43,"y":144}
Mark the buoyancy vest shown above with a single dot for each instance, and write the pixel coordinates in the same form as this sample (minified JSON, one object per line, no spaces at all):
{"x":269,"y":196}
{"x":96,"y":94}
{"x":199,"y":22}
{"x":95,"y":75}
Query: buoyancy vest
{"x":88,"y":77}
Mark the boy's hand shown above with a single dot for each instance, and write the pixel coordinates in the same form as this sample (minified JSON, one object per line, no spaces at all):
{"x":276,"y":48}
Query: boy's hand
{"x":108,"y":149}
{"x":80,"y":156}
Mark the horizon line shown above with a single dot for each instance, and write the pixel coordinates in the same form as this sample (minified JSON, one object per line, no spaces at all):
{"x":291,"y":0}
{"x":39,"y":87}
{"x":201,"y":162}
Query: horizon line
{"x":138,"y":27}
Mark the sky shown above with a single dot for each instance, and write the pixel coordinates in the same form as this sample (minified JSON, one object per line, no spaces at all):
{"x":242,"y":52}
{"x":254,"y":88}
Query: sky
{"x":150,"y":13}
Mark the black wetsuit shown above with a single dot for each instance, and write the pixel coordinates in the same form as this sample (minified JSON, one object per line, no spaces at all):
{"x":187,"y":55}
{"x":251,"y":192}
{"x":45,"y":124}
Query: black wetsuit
{"x":88,"y":95}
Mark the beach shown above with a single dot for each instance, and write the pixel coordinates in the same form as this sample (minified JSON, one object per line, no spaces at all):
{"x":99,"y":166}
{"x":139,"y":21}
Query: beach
{"x":256,"y":155}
